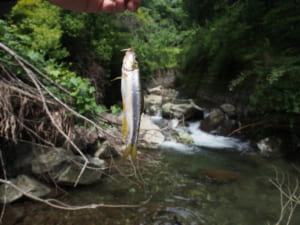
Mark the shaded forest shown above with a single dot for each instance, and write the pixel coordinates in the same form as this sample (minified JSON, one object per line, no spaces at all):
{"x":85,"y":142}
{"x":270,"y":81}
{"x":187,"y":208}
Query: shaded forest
{"x":246,"y":44}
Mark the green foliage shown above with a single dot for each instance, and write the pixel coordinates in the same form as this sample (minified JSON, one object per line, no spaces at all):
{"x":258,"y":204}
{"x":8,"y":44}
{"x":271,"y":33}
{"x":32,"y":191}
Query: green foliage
{"x":37,"y":23}
{"x":242,"y":41}
{"x":115,"y":109}
{"x":34,"y":32}
{"x":158,"y":29}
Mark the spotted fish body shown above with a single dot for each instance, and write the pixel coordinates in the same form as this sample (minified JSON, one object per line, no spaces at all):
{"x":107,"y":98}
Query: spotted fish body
{"x":132,"y":103}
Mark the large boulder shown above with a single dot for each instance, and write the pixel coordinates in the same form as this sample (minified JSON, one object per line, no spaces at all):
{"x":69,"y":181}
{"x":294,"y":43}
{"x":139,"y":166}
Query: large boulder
{"x":185,"y":110}
{"x":169,"y":95}
{"x":84,"y":137}
{"x":150,"y":134}
{"x":152,"y":103}
{"x":26,"y":184}
{"x":215,"y":118}
{"x":158,"y":90}
{"x":92,"y":174}
{"x":229,"y":110}
{"x":50,"y":160}
{"x":105,"y":151}
{"x":217,"y":122}
{"x":64,"y":166}
{"x":182,"y":137}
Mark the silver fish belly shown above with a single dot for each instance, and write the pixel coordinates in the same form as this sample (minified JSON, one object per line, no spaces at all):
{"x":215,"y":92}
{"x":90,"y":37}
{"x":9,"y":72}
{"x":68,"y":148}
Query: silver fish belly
{"x":132,"y":101}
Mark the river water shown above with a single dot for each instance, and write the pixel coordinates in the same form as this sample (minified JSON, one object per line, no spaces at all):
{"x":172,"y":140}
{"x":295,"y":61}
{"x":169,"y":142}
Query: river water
{"x":217,"y":181}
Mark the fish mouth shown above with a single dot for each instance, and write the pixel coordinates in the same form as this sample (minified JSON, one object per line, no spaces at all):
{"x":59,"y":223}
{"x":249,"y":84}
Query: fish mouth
{"x":129,"y":62}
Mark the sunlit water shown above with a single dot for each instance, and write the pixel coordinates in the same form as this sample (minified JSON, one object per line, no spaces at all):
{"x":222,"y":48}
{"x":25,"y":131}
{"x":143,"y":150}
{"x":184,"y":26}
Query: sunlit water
{"x":216,"y":181}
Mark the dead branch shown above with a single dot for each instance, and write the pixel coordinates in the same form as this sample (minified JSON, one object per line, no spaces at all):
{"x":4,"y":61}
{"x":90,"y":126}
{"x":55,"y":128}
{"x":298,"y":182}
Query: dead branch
{"x":37,"y":93}
{"x":5,"y":189}
{"x":25,"y":96}
{"x":245,"y":126}
{"x":64,"y":206}
{"x":289,"y":196}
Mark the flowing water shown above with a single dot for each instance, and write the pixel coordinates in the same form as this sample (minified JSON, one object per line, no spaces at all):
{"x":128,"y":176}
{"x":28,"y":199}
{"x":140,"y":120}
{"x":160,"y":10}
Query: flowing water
{"x":216,"y":181}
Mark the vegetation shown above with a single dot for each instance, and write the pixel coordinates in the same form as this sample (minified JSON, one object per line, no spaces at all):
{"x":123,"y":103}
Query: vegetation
{"x":253,"y":42}
{"x":249,"y":41}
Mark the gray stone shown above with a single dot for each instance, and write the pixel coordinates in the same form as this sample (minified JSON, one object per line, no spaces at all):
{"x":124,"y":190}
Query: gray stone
{"x":69,"y":174}
{"x":180,"y":111}
{"x":270,"y":146}
{"x":50,"y":160}
{"x":169,"y":95}
{"x":104,"y":150}
{"x":83,"y":137}
{"x":158,"y":90}
{"x":183,"y":137}
{"x":26,"y":184}
{"x":152,"y":103}
{"x":228,"y":109}
{"x":213,"y":121}
{"x":150,"y":134}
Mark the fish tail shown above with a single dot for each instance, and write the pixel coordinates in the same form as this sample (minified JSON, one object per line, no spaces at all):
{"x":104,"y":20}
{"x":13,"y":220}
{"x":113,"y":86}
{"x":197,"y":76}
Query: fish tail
{"x":130,"y":150}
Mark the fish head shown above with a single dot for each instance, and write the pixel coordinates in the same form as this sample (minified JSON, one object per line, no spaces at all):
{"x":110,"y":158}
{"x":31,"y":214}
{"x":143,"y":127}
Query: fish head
{"x":130,"y":62}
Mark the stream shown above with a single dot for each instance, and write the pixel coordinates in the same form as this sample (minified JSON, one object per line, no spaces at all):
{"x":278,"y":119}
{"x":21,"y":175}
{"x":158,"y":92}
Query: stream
{"x":216,"y":181}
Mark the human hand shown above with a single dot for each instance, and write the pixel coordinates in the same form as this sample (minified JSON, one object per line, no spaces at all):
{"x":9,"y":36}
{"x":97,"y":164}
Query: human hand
{"x":98,"y":6}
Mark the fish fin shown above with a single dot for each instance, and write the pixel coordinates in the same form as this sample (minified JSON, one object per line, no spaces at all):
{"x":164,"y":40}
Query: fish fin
{"x":124,"y":124}
{"x":116,"y":78}
{"x":130,"y":150}
{"x":124,"y":127}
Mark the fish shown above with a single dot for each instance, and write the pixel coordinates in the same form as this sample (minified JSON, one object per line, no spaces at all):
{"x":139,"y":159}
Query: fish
{"x":132,"y":103}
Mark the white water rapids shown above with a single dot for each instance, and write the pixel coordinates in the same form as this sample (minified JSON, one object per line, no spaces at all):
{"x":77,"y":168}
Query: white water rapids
{"x":201,"y":139}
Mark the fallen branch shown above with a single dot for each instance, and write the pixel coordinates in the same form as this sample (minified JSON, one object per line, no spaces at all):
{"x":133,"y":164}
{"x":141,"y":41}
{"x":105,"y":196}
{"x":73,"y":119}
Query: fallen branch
{"x":64,"y":206}
{"x":245,"y":126}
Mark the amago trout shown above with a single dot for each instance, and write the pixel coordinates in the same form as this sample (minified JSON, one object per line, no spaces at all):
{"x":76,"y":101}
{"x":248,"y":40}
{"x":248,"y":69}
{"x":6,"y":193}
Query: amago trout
{"x":132,"y":102}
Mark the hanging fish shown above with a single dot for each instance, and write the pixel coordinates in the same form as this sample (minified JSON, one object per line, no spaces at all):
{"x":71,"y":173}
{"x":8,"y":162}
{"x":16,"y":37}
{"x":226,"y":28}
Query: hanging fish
{"x":132,"y":102}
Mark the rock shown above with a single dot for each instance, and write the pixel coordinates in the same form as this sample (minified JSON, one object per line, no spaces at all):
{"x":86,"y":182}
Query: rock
{"x":270,"y":146}
{"x":13,"y":215}
{"x":60,"y":164}
{"x":215,"y":119}
{"x":112,"y":118}
{"x":50,"y":160}
{"x":229,"y":110}
{"x":84,"y":137}
{"x":150,"y":135}
{"x":183,"y":137}
{"x":218,"y":123}
{"x":26,"y":184}
{"x":153,"y":100}
{"x":217,"y":176}
{"x":23,"y":159}
{"x":181,"y":110}
{"x":104,"y":150}
{"x":152,"y":103}
{"x":169,"y":95}
{"x":69,"y":174}
{"x":156,"y":90}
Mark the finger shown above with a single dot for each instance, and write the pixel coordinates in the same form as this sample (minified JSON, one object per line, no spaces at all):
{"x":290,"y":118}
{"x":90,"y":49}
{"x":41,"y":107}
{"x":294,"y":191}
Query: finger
{"x":93,"y":6}
{"x":132,"y":5}
{"x":120,"y":6}
{"x":108,"y":6}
